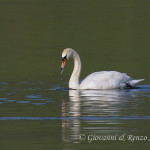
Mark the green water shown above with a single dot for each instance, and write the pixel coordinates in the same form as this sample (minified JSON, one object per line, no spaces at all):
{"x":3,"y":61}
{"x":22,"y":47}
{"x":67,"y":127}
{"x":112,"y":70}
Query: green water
{"x":37,"y":111}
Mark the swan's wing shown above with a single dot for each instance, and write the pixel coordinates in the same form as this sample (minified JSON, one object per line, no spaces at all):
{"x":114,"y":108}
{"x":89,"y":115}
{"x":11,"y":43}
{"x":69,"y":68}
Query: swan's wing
{"x":105,"y":80}
{"x":107,"y":75}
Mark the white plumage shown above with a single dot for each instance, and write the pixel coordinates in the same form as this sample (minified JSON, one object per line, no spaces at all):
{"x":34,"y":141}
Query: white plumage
{"x":96,"y":80}
{"x":108,"y":80}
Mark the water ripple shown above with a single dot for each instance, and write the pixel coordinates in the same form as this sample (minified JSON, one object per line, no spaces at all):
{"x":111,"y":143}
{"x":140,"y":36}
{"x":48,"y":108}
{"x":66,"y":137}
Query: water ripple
{"x":79,"y":118}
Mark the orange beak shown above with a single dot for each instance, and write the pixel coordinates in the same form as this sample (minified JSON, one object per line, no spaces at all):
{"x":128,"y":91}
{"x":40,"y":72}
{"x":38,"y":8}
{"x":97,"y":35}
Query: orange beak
{"x":63,"y":64}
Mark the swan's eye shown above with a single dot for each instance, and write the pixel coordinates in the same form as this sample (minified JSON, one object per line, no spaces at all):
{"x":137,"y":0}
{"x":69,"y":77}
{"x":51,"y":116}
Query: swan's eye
{"x":64,"y":58}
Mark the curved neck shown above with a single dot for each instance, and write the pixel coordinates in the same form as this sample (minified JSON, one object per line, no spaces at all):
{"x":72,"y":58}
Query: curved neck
{"x":74,"y":79}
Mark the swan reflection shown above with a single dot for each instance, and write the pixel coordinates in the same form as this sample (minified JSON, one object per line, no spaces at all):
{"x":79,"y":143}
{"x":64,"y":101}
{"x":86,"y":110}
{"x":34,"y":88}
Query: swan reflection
{"x":85,"y":105}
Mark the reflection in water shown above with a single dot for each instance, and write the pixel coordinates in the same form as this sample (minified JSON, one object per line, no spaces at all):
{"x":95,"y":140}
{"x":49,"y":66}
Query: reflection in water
{"x":71,"y":127}
{"x":97,"y":112}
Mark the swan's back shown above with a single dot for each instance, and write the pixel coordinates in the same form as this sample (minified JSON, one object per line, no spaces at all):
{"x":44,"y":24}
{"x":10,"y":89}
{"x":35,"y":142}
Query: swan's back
{"x":107,"y":80}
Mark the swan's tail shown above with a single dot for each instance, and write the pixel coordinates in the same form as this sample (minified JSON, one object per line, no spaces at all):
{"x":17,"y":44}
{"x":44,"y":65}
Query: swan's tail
{"x":135,"y":82}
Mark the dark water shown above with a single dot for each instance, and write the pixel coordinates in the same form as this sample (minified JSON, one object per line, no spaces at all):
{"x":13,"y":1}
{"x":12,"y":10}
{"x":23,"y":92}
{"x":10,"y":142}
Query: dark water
{"x":37,"y":110}
{"x":39,"y":115}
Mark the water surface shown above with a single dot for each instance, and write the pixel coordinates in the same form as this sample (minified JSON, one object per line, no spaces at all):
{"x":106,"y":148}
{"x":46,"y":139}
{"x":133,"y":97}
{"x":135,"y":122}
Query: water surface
{"x":52,"y":116}
{"x":37,"y":110}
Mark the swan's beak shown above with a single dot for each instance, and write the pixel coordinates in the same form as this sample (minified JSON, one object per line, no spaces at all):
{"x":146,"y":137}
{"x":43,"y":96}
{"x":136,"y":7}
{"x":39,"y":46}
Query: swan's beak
{"x":63,"y":64}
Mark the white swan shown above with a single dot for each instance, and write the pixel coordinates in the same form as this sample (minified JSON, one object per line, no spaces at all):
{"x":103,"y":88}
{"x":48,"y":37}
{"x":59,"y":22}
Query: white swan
{"x":96,"y":80}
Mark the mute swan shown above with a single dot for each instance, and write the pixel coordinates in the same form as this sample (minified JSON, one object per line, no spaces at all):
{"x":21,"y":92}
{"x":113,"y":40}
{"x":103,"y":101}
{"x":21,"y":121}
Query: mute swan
{"x":96,"y":80}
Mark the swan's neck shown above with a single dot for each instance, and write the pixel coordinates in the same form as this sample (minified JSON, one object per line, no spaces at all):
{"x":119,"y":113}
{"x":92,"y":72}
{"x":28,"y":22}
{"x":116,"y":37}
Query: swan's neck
{"x":74,"y":79}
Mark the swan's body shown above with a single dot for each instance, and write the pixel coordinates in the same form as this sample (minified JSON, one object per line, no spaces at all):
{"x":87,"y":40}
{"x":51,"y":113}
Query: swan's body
{"x":96,"y":80}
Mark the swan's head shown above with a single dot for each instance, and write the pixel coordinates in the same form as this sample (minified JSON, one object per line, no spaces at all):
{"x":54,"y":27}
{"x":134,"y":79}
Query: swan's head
{"x":66,"y":54}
